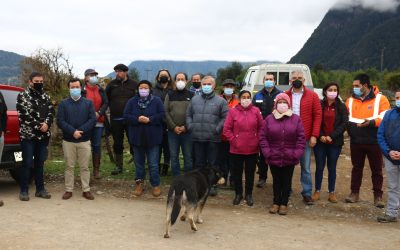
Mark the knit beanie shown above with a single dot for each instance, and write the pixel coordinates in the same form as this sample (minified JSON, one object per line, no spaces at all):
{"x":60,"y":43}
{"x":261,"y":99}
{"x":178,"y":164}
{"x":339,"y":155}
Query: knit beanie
{"x":281,"y":96}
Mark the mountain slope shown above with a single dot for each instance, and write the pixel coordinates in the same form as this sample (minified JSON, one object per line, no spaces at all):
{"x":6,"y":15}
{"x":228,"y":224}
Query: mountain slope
{"x":9,"y":66}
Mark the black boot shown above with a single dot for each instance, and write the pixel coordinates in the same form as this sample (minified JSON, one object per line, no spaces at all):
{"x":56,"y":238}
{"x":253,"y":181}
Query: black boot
{"x":165,"y":168}
{"x":119,"y":162}
{"x":249,"y":200}
{"x":96,"y":165}
{"x":237,"y":199}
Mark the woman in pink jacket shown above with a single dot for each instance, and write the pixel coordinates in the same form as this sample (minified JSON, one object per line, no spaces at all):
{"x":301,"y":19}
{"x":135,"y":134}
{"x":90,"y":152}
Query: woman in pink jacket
{"x":242,"y":128}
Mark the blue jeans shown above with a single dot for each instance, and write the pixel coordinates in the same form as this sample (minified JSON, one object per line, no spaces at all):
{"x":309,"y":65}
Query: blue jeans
{"x":206,"y":154}
{"x":177,"y":142}
{"x":95,"y":140}
{"x":305,"y":178}
{"x":34,"y":153}
{"x":139,"y":156}
{"x":330,"y":154}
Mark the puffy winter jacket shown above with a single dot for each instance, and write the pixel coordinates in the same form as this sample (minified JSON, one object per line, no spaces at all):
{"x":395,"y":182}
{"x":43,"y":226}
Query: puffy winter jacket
{"x":389,"y":133}
{"x":310,"y":112}
{"x":282,"y":140}
{"x":242,"y":128}
{"x":205,"y":117}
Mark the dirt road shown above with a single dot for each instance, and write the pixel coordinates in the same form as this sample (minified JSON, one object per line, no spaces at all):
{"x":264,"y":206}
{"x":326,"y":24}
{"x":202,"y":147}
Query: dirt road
{"x":109,"y":222}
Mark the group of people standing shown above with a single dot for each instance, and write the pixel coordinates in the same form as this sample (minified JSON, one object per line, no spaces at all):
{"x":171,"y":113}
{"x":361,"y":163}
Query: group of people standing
{"x":236,"y":133}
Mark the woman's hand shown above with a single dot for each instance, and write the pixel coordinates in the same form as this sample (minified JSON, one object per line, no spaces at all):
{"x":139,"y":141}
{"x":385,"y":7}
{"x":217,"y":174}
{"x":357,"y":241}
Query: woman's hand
{"x":143,"y":119}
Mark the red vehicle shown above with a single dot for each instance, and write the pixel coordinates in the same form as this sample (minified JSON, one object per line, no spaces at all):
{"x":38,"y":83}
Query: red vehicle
{"x":12,"y":154}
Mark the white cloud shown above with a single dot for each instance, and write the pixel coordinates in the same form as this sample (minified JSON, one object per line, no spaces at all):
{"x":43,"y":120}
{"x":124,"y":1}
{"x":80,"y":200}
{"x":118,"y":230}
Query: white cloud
{"x":102,"y":33}
{"x":379,"y":5}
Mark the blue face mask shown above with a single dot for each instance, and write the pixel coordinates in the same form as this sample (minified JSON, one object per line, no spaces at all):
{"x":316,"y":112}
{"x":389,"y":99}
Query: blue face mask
{"x":269,"y":84}
{"x":75,"y":93}
{"x":228,"y":91}
{"x":398,"y":103}
{"x":93,"y":80}
{"x":207,"y":89}
{"x":357,"y":91}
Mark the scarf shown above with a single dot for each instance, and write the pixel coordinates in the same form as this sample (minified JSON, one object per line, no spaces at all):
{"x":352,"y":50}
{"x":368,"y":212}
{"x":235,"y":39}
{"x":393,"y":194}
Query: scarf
{"x":278,"y":115}
{"x":144,"y":102}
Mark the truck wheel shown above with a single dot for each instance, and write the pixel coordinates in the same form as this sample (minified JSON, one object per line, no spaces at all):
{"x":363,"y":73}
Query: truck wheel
{"x":16,"y":173}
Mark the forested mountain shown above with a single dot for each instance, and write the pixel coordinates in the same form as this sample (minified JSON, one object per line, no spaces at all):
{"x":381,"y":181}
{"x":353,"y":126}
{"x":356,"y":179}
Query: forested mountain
{"x":9,"y":66}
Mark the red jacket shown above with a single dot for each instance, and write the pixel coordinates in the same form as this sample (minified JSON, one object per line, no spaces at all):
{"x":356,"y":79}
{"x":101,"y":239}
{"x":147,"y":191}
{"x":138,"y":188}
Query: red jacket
{"x":310,"y":112}
{"x":242,"y":128}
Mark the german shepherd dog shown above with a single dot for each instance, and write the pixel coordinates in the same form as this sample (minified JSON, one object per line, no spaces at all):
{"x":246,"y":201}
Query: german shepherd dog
{"x":189,"y":193}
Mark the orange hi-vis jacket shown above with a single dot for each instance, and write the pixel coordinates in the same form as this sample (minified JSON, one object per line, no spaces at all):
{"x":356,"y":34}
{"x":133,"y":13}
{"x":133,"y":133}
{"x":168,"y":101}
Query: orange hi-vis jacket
{"x":373,"y":108}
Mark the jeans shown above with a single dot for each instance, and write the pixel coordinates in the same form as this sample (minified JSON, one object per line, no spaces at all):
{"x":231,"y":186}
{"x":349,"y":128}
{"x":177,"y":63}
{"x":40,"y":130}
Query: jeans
{"x":177,"y":142}
{"x":206,"y":154}
{"x":140,"y":154}
{"x":326,"y":153}
{"x":282,"y":183}
{"x":248,"y":162}
{"x":358,"y":153}
{"x":224,"y":159}
{"x":34,"y":153}
{"x":305,"y":178}
{"x":118,"y":127}
{"x":393,"y":186}
{"x":95,"y":140}
{"x":164,"y":149}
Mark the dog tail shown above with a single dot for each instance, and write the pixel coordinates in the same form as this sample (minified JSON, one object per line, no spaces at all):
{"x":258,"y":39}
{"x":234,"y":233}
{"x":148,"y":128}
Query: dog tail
{"x":176,"y":207}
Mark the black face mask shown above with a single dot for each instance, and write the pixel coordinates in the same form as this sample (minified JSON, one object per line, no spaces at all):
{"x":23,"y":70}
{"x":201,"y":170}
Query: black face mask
{"x":163,"y":79}
{"x":196,"y":85}
{"x":38,"y":87}
{"x":297,"y":84}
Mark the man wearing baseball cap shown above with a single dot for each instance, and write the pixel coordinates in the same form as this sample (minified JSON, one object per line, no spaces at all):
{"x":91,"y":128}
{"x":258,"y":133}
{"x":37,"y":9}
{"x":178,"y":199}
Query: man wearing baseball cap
{"x":119,"y":91}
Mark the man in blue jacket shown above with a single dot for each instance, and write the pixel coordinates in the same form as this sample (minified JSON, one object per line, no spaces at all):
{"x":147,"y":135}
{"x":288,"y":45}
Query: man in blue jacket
{"x":76,"y":118}
{"x":389,"y":142}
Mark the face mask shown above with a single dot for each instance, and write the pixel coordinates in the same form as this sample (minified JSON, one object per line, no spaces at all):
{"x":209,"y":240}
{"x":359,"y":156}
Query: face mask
{"x":268,"y":84}
{"x":196,"y":85}
{"x":38,"y":87}
{"x":75,"y":93}
{"x":245,"y":102}
{"x":228,"y":91}
{"x":357,"y":91}
{"x":282,"y":107}
{"x":207,"y":89}
{"x":163,"y":79}
{"x":180,"y":85}
{"x":144,"y":92}
{"x":93,"y":80}
{"x":398,"y":103}
{"x":331,"y":95}
{"x":297,"y":84}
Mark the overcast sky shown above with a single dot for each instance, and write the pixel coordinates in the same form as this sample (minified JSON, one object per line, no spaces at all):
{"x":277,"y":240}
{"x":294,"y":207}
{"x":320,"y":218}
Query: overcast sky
{"x":103,"y":33}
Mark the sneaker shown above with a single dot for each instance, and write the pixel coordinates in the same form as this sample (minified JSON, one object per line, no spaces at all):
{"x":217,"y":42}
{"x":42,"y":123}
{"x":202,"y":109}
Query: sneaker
{"x":316,"y":196}
{"x":308,"y":200}
{"x":156,"y":191}
{"x":386,"y":219}
{"x":378,"y":202}
{"x":353,"y":198}
{"x":274,"y":209}
{"x":43,"y":194}
{"x":24,"y":196}
{"x":261,"y":183}
{"x":332,"y":197}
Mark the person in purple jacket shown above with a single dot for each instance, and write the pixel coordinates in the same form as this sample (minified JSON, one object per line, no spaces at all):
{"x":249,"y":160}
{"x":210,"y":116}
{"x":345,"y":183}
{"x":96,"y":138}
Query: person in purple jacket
{"x":242,"y":128}
{"x":282,"y":143}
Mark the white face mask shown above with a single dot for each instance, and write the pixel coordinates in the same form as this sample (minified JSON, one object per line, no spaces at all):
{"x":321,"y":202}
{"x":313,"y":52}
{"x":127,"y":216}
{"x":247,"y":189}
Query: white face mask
{"x":282,"y":107}
{"x":180,"y":85}
{"x":245,"y":102}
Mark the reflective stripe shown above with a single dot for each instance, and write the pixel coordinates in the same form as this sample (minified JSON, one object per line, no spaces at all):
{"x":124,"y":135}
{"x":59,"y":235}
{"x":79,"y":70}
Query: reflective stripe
{"x":376,"y":114}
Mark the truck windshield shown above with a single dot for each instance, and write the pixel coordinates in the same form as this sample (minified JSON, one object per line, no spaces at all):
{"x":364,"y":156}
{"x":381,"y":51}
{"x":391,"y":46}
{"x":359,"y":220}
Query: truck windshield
{"x":10,"y":96}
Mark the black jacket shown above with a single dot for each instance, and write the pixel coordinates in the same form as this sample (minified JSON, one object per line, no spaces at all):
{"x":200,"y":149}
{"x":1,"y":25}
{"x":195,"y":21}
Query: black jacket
{"x":161,"y":92}
{"x":3,"y":114}
{"x":118,"y":94}
{"x":264,"y":100}
{"x":341,"y":119}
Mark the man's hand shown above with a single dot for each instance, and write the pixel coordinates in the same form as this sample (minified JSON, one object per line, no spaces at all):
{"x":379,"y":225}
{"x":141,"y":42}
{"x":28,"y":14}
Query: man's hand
{"x":313,"y":141}
{"x":44,"y":127}
{"x":395,"y":155}
{"x":97,"y":115}
{"x":364,"y":124}
{"x":78,"y":134}
{"x":183,"y":129}
{"x":177,"y":130}
{"x":323,"y":139}
{"x":328,"y":139}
